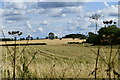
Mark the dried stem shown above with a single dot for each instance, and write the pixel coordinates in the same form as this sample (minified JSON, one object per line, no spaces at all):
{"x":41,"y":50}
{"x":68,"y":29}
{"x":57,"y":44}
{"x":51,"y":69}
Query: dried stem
{"x":98,"y":55}
{"x":110,"y":56}
{"x":97,"y":63}
{"x":14,"y":60}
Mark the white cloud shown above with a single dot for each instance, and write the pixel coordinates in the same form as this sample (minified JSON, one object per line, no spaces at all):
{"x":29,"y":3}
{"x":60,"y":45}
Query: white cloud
{"x":40,"y":29}
{"x":15,"y":18}
{"x":40,"y":10}
{"x":72,"y":9}
{"x":7,"y":12}
{"x":110,"y":11}
{"x":9,"y":21}
{"x":44,"y":23}
{"x":59,"y":15}
{"x":57,"y":4}
{"x":14,"y":5}
{"x":53,"y":11}
{"x":60,"y":20}
{"x":28,"y":24}
{"x":12,"y":16}
{"x":1,"y":12}
{"x":60,"y":0}
{"x":19,"y":5}
{"x":106,"y":4}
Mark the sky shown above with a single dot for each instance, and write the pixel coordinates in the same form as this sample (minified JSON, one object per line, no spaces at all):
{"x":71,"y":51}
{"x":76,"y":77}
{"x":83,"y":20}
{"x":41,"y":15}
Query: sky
{"x":39,"y":18}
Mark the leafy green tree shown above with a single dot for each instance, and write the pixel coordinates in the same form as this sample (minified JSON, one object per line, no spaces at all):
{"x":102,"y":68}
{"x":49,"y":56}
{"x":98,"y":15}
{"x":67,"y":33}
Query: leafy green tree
{"x":46,"y":38}
{"x":31,"y":38}
{"x":108,"y":31}
{"x":28,"y":37}
{"x":106,"y":35}
{"x":93,"y":38}
{"x":81,"y":36}
{"x":111,"y":34}
{"x":37,"y":37}
{"x":51,"y":35}
{"x":56,"y":37}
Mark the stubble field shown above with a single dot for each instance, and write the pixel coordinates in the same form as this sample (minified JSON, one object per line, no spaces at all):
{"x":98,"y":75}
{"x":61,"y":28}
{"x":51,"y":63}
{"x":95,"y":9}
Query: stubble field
{"x":58,"y":60}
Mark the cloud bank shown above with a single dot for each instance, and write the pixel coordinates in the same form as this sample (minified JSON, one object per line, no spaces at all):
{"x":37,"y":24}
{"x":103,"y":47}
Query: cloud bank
{"x":40,"y":18}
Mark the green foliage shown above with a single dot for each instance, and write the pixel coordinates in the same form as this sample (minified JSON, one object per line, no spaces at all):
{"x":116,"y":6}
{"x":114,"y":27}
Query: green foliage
{"x":107,"y":31}
{"x":81,"y":36}
{"x":22,"y":38}
{"x":74,"y":43}
{"x":56,"y":37}
{"x":93,"y":38}
{"x":51,"y":35}
{"x":46,"y":38}
{"x":37,"y":37}
{"x":6,"y":39}
{"x":105,"y":36}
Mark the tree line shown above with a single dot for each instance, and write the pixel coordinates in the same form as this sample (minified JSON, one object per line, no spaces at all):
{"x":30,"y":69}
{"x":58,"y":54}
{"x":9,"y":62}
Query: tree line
{"x":106,"y":35}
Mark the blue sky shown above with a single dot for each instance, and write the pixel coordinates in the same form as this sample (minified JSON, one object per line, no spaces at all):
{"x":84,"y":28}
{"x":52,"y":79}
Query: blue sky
{"x":91,"y":6}
{"x":38,"y":19}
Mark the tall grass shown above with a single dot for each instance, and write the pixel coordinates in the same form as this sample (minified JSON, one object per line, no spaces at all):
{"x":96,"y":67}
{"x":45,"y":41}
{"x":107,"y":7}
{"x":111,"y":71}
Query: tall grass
{"x":110,"y":63}
{"x":15,"y":59}
{"x":48,"y":64}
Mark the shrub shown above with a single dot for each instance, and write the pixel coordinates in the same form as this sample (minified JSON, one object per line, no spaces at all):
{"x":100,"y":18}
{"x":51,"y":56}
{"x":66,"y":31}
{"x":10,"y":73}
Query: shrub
{"x":74,"y":43}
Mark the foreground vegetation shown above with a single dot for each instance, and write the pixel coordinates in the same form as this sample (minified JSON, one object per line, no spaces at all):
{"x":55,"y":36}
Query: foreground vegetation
{"x":60,"y":61}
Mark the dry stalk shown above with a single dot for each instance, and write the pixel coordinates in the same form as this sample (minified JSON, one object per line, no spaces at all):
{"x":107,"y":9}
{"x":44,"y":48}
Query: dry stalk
{"x":97,"y":63}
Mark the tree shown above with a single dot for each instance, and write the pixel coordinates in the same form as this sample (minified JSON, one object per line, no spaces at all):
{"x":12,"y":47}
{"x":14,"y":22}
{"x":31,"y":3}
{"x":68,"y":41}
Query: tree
{"x":37,"y":37}
{"x":56,"y":37}
{"x":51,"y":35}
{"x":31,"y":38}
{"x":108,"y":31}
{"x":28,"y":37}
{"x":73,"y":36}
{"x":105,"y":36}
{"x":21,"y":38}
{"x":111,"y":34}
{"x":46,"y":38}
{"x":60,"y":38}
{"x":93,"y":38}
{"x":81,"y":36}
